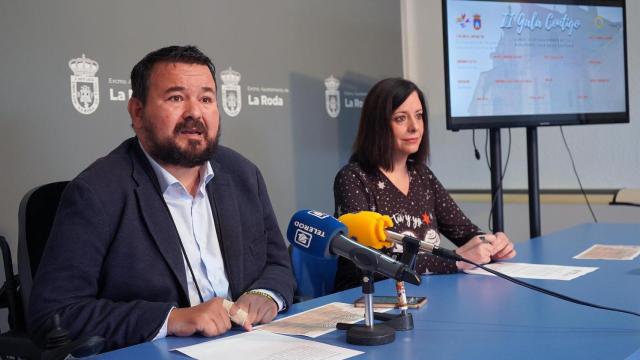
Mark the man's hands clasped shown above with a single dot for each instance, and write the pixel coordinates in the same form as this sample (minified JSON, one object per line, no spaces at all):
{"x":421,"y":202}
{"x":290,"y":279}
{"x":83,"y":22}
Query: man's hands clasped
{"x":214,"y":317}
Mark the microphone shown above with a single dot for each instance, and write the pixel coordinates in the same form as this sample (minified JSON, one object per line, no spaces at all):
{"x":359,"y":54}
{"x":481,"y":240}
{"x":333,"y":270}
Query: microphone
{"x":369,"y":228}
{"x":424,"y":246}
{"x":321,"y":235}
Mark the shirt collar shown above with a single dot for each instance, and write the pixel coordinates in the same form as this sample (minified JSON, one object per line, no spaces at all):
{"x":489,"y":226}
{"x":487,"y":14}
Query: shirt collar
{"x":165,"y":179}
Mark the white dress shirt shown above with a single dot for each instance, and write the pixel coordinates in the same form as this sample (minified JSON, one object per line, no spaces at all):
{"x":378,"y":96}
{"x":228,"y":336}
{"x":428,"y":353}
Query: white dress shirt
{"x":193,"y":219}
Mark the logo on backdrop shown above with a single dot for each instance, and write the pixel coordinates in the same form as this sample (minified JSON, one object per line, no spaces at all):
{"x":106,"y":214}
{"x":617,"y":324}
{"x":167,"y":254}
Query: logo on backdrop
{"x":332,"y":96}
{"x":85,"y":94}
{"x":231,"y":95}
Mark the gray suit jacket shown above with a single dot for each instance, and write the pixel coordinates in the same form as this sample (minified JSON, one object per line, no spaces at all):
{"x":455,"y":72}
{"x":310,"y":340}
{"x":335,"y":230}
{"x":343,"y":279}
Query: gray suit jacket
{"x":113,"y":266}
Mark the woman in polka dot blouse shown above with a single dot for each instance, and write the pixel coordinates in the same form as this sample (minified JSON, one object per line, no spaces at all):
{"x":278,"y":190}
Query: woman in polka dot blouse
{"x":387,"y":174}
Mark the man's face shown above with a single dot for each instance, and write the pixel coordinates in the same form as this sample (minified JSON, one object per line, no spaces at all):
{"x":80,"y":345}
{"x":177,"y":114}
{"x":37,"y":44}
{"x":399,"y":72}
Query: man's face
{"x":179,"y":124}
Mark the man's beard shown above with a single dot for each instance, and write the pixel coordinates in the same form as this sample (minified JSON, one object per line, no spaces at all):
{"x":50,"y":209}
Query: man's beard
{"x":167,"y":151}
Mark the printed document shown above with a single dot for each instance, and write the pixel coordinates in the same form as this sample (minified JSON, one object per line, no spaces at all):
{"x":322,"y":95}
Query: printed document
{"x":535,"y":271}
{"x":318,"y":321}
{"x":610,"y":252}
{"x":263,"y":345}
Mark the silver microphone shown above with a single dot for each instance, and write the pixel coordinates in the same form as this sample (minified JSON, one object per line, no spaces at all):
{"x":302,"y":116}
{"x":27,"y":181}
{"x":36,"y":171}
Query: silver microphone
{"x":401,"y":239}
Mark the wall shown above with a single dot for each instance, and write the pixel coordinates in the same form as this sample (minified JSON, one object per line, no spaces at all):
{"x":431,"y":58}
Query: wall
{"x":282,"y":49}
{"x":553,"y":216}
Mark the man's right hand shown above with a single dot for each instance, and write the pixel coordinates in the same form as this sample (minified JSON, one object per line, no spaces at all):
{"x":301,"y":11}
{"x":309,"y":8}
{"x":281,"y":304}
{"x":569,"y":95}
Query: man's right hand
{"x":209,"y":319}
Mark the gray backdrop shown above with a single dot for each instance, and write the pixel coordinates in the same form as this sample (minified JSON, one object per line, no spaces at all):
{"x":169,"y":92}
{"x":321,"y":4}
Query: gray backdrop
{"x":281,"y":48}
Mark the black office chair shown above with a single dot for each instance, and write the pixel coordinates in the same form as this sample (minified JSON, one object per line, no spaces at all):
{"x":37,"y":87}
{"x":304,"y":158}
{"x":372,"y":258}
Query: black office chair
{"x":14,"y":342}
{"x":35,"y":217}
{"x":628,"y":197}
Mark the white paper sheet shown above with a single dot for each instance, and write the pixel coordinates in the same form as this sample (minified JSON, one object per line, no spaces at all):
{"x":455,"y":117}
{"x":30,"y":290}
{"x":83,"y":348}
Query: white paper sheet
{"x":263,"y":345}
{"x":609,"y":252}
{"x":318,"y":321}
{"x":535,"y":271}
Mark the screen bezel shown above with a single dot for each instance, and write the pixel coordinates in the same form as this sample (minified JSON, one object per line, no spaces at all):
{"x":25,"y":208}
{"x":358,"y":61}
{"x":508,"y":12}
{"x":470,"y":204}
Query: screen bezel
{"x":534,"y":120}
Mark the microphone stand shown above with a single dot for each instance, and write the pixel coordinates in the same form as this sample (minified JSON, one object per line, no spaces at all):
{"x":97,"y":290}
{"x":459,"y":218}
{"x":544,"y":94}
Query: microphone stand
{"x":404,"y":320}
{"x":368,"y":333}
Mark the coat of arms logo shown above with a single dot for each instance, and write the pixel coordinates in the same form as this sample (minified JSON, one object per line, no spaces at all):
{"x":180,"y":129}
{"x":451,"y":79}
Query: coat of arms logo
{"x":477,"y":22}
{"x":85,"y":93}
{"x":231,"y":94}
{"x":332,"y":96}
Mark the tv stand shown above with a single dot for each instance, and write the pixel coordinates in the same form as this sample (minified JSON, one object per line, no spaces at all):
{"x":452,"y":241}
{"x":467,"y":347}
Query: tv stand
{"x":534,"y":181}
{"x":497,"y":205}
{"x":495,"y":150}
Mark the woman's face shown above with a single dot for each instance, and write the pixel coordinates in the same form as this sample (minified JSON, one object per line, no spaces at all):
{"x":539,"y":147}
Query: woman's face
{"x":407,"y":126}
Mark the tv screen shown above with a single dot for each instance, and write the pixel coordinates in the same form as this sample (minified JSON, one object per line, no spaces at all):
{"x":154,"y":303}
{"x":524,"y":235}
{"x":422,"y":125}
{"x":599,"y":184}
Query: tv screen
{"x":534,"y":63}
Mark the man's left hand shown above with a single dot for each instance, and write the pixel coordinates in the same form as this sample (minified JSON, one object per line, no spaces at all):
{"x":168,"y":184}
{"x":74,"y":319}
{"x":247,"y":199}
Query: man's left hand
{"x":260,"y":309}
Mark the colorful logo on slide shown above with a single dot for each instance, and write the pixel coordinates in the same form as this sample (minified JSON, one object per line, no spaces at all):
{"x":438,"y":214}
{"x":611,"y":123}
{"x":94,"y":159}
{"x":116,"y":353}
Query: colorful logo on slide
{"x":463,"y":20}
{"x":477,"y":22}
{"x":598,"y":21}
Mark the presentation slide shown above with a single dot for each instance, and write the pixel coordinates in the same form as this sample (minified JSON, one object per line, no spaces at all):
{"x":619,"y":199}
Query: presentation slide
{"x":509,"y":58}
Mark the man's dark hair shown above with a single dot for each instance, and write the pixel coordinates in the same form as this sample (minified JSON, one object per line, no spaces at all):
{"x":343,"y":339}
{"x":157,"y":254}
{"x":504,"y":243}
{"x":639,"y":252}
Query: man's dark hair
{"x":373,"y":146}
{"x":141,"y":72}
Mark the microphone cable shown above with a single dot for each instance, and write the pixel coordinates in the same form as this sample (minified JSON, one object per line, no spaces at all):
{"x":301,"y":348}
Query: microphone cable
{"x":450,"y":254}
{"x":573,"y":165}
{"x":476,"y":153}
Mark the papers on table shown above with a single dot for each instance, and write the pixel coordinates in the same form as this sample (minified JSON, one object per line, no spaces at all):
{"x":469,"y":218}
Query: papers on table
{"x":610,"y":252}
{"x":559,"y":272}
{"x":263,"y":345}
{"x":535,"y":271}
{"x":318,"y":321}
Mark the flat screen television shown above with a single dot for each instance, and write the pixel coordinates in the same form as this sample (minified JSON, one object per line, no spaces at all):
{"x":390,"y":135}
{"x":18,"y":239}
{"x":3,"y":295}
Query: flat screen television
{"x":534,"y":63}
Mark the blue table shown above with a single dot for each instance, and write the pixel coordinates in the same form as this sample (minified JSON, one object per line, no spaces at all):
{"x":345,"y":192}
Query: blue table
{"x":485,"y":317}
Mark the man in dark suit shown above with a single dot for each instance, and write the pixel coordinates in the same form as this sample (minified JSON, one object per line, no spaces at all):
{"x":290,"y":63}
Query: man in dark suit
{"x":151,"y":239}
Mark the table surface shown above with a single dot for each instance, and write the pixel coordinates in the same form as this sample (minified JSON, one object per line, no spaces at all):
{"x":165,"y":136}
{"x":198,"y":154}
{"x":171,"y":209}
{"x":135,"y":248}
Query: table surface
{"x":475,"y":317}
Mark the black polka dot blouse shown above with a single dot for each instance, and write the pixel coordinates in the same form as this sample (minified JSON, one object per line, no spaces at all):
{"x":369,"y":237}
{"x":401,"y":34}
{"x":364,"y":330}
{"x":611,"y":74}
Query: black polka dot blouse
{"x":424,"y":213}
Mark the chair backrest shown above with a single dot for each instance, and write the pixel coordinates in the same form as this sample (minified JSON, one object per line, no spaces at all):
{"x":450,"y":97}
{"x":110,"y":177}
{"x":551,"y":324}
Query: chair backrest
{"x":315,"y":276}
{"x":630,"y":197}
{"x":9,"y":293}
{"x":35,"y":217}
